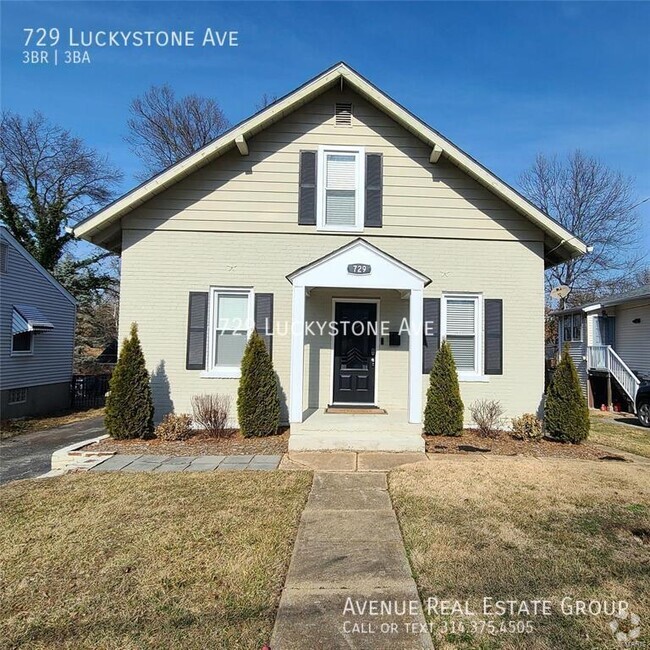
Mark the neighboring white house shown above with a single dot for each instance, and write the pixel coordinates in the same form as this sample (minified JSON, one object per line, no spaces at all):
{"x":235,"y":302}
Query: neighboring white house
{"x":609,"y":340}
{"x":335,"y":205}
{"x":37,"y":322}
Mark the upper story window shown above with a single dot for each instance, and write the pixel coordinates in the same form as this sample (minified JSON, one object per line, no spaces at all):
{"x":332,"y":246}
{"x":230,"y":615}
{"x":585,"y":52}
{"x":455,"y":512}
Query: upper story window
{"x":340,"y":183}
{"x":231,"y":322}
{"x":572,"y":327}
{"x":461,"y":326}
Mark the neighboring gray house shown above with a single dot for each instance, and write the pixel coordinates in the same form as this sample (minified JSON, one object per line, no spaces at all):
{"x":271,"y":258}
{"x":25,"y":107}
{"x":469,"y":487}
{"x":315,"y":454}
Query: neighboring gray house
{"x":37,"y":322}
{"x":609,"y":341}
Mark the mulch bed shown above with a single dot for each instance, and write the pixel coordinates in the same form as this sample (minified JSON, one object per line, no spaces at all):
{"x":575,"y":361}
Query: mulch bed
{"x":505,"y":445}
{"x":198,"y":445}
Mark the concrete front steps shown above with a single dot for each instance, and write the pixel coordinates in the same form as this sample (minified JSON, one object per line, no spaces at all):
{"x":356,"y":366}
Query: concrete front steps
{"x":356,"y":432}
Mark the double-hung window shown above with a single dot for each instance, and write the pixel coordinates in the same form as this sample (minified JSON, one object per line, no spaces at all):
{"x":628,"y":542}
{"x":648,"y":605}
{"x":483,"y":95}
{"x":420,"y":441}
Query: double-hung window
{"x":340,"y":197}
{"x":462,"y":328}
{"x":572,"y":327}
{"x":231,"y":322}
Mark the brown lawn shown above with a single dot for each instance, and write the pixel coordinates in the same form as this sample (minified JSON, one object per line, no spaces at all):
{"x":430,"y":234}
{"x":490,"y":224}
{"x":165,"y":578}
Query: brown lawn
{"x":518,"y":528}
{"x":621,"y":431}
{"x":126,"y":561}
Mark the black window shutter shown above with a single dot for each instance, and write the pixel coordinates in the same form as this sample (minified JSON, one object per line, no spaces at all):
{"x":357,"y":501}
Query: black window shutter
{"x":264,"y":319}
{"x":430,"y":332}
{"x":374,"y":191}
{"x":197,"y":330}
{"x":494,"y":337}
{"x":307,"y":195}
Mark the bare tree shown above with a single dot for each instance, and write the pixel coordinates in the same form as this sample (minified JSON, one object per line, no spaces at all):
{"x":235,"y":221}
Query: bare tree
{"x":163,"y":129}
{"x":49,"y":180}
{"x":597,"y":205}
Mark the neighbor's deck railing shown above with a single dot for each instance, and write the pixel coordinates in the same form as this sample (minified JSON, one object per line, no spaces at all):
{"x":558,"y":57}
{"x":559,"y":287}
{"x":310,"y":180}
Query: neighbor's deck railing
{"x":603,"y":357}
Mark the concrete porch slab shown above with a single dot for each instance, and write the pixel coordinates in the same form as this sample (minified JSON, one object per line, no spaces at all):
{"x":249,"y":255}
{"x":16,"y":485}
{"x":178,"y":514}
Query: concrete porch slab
{"x":356,"y":432}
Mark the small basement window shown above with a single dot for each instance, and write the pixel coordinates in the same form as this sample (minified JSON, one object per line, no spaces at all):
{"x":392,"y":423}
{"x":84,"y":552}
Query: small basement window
{"x":17,"y":396}
{"x":343,"y":114}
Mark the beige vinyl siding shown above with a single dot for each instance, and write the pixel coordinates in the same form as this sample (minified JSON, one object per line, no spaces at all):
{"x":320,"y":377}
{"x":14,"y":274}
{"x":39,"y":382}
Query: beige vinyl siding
{"x":259,"y":192}
{"x":633,"y":339}
{"x":160,"y":268}
{"x":51,"y":361}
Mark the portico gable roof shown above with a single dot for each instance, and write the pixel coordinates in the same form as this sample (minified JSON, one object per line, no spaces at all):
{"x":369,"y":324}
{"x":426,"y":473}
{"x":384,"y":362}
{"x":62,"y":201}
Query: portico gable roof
{"x":361,"y":265}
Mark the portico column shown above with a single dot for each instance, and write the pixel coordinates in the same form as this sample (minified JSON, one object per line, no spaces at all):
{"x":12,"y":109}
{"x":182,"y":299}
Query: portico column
{"x":415,"y":356}
{"x":297,"y":353}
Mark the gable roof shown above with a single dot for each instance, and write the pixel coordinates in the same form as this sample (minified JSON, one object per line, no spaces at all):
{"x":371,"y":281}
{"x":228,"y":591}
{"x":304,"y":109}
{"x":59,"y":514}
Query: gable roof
{"x":560,"y":246}
{"x":16,"y":245}
{"x":640,"y":293}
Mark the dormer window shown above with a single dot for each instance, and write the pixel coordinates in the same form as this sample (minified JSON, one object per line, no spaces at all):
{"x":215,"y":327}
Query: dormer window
{"x":340,"y":201}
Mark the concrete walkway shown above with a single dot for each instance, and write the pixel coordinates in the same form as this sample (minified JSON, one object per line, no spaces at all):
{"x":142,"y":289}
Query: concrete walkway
{"x":144,"y":463}
{"x":349,"y":553}
{"x":29,"y":455}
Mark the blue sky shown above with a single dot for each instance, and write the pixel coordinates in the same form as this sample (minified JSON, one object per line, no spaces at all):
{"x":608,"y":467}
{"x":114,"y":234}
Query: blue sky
{"x":502,"y":80}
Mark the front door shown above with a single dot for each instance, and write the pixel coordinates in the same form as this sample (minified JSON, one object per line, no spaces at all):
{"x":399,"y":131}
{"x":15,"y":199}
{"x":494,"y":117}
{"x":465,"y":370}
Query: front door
{"x":354,"y":352}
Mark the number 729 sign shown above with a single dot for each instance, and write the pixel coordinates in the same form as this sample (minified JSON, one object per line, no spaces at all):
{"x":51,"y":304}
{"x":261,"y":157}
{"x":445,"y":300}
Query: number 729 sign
{"x":359,"y":269}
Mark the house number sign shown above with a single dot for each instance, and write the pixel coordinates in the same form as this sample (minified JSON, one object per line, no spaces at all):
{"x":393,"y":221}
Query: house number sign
{"x":359,"y":269}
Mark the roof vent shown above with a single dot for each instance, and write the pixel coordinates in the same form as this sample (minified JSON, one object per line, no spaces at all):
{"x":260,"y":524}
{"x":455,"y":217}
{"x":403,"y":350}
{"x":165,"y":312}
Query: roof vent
{"x":343,"y":114}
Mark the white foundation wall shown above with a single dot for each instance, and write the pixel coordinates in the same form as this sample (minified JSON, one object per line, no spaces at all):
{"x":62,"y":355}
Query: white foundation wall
{"x":161,"y":267}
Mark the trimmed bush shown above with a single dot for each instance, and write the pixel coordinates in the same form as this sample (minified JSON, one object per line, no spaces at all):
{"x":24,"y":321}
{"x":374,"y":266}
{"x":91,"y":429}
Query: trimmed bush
{"x":212,"y":412}
{"x":129,"y":407}
{"x":487,"y":415}
{"x":443,"y":415}
{"x":258,"y":404}
{"x":527,"y":427}
{"x":566,"y":415}
{"x":175,"y":427}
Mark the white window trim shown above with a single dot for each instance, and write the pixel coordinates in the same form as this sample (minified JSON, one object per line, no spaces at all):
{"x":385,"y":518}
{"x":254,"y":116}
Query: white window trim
{"x":466,"y":375}
{"x":23,"y":353}
{"x":360,"y":153}
{"x":225,"y":372}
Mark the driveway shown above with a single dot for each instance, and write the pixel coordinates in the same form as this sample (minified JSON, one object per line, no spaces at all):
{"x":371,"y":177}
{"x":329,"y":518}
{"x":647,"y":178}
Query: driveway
{"x":29,"y":455}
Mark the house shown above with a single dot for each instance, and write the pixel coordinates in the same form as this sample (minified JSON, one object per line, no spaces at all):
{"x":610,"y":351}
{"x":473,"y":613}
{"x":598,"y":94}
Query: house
{"x":37,"y":323}
{"x":609,"y":342}
{"x":335,"y":205}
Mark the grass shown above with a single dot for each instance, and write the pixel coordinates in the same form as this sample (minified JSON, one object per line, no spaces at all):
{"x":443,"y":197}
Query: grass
{"x":122,"y":561}
{"x":11,"y":428}
{"x":634,"y":439}
{"x":524,"y":529}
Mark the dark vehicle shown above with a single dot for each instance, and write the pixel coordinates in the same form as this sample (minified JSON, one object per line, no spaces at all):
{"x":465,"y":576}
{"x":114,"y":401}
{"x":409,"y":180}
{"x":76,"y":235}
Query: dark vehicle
{"x":643,"y":404}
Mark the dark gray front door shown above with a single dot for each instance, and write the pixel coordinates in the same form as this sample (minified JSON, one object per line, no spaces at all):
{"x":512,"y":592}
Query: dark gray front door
{"x":354,"y":352}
